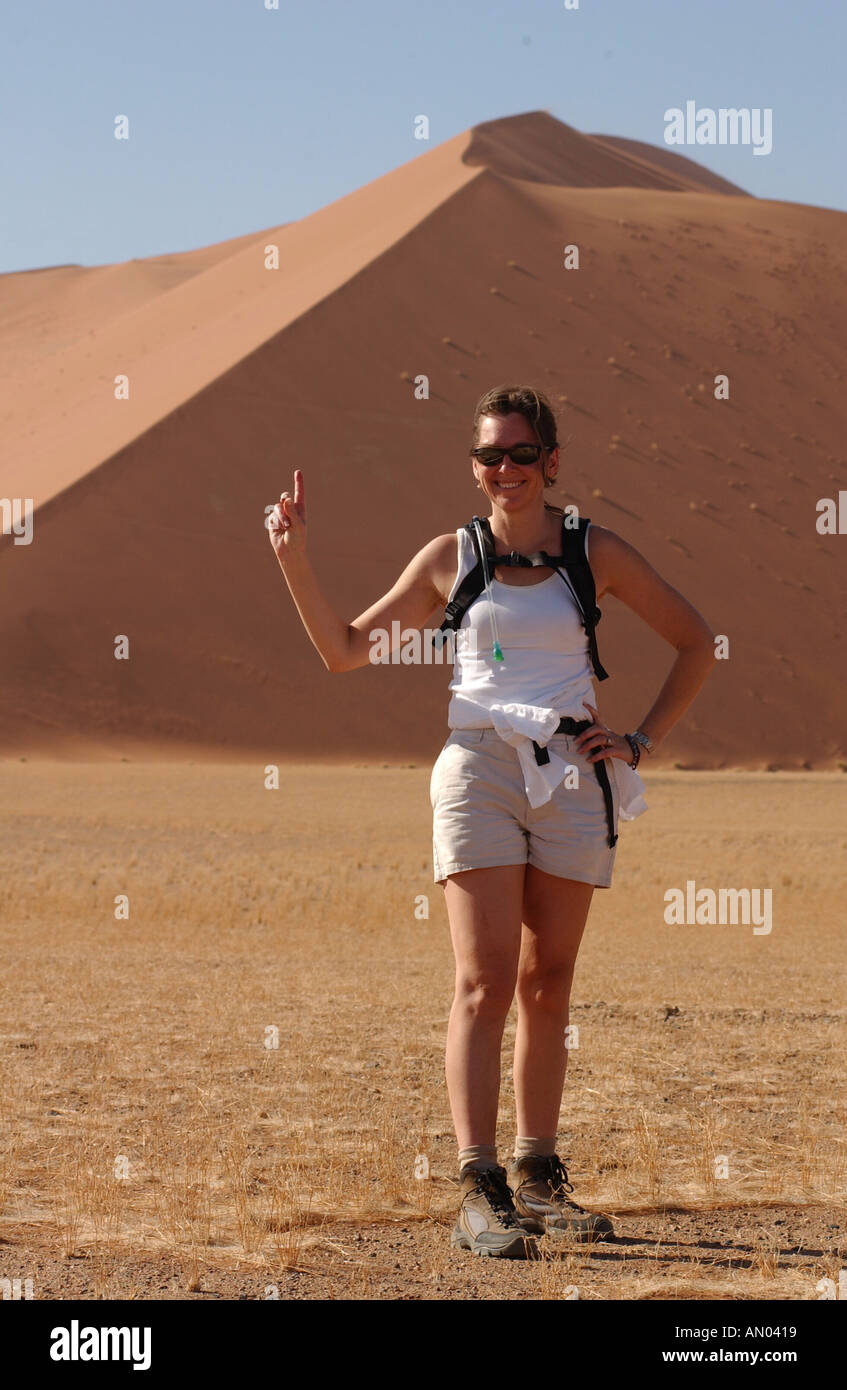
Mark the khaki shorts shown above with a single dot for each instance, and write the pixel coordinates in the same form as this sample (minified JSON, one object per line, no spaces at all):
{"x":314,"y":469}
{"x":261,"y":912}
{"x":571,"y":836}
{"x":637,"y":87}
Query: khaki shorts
{"x":481,"y":816}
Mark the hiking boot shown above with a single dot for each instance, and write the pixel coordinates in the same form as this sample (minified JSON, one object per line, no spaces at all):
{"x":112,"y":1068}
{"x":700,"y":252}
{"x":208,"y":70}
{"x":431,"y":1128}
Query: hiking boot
{"x":539,"y":1186}
{"x":487,"y":1223}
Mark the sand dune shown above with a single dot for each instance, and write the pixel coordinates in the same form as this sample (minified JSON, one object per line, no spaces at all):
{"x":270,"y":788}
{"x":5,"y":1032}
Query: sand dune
{"x":685,"y":172}
{"x":538,"y":148}
{"x":149,"y":512}
{"x":44,"y":311}
{"x":175,"y":343}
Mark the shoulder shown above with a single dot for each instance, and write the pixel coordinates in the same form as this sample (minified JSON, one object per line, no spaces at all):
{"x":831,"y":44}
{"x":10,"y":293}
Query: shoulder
{"x":442,"y":549}
{"x":605,"y":552}
{"x":438,"y":561}
{"x":614,"y":563}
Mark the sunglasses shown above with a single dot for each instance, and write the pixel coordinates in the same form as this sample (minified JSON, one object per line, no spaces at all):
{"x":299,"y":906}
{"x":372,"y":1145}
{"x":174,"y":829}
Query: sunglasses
{"x":519,"y":453}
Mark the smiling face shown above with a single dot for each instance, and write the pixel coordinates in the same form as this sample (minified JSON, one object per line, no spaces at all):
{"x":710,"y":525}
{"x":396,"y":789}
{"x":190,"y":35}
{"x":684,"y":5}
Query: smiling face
{"x":512,"y":486}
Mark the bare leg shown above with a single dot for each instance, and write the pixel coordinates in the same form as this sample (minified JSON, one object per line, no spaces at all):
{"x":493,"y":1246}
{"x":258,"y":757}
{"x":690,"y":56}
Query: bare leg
{"x":484,"y":907}
{"x":554,"y":916}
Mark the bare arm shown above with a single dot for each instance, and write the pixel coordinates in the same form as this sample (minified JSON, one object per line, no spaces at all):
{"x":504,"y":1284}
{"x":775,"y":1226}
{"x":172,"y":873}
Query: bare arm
{"x":419,"y":591}
{"x":621,"y":570}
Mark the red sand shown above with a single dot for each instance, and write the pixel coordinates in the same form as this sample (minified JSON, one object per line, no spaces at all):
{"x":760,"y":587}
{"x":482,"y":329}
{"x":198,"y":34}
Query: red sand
{"x":149,"y":512}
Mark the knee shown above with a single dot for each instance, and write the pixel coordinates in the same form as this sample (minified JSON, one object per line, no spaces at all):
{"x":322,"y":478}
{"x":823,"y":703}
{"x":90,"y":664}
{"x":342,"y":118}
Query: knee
{"x":546,"y":991}
{"x":485,"y":997}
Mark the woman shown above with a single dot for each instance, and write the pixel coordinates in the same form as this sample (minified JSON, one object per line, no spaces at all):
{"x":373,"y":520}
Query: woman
{"x":522,"y":830}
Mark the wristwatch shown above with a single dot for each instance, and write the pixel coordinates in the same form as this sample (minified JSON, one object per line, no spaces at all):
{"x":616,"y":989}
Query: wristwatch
{"x":643,"y":740}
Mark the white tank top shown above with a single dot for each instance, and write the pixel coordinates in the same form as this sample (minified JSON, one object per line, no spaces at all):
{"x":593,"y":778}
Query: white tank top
{"x":546,"y":661}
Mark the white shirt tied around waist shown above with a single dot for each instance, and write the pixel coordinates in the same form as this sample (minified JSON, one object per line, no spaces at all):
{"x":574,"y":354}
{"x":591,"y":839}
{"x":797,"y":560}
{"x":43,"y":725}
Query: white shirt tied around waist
{"x":545,"y":674}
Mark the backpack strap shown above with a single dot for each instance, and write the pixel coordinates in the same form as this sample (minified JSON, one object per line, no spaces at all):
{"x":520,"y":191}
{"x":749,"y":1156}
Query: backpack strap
{"x":580,"y":581}
{"x":573,"y":561}
{"x":474,"y":581}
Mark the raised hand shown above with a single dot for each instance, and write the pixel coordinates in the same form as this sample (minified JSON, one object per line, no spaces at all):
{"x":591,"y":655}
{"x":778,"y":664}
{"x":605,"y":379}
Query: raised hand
{"x":287,"y":521}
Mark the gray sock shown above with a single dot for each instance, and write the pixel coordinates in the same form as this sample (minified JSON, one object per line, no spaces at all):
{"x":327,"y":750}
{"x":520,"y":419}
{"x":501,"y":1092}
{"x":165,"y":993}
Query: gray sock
{"x":479,"y":1156}
{"x":540,"y":1148}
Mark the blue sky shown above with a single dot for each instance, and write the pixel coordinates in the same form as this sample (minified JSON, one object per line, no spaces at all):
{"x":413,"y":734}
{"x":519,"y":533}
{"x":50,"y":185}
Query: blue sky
{"x":243,"y":117}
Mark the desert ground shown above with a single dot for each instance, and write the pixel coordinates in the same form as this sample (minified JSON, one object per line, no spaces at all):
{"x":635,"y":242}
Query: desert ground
{"x":230,"y":1092}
